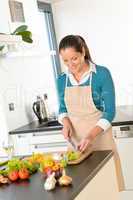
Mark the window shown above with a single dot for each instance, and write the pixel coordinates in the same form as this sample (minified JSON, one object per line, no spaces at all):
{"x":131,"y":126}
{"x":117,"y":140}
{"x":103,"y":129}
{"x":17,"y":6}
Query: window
{"x":45,"y":9}
{"x":49,"y":46}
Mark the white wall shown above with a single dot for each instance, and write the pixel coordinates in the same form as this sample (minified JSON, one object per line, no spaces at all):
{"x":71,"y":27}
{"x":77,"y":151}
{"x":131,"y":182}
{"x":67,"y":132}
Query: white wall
{"x":4,"y":25}
{"x":22,"y":77}
{"x":107,"y":27}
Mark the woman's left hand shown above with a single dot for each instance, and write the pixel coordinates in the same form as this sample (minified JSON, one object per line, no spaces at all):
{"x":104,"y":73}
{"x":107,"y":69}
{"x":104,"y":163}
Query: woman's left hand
{"x":85,"y":142}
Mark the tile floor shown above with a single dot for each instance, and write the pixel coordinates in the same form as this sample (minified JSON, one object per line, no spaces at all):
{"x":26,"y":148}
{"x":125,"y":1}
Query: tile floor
{"x":126,"y":195}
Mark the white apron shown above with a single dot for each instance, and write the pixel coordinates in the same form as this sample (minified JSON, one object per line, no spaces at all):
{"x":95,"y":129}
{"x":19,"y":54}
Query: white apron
{"x":84,"y":115}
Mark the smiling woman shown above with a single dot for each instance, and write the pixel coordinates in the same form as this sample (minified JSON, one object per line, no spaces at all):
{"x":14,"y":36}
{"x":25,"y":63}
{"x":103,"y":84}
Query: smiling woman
{"x":86,"y":120}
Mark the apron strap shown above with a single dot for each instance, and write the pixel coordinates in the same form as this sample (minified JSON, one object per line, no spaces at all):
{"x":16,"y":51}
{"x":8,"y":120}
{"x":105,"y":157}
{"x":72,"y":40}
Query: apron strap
{"x":66,"y":80}
{"x":90,"y":82}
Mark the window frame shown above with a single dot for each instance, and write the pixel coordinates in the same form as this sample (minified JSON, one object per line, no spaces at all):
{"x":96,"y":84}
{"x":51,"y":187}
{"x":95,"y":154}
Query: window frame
{"x":47,"y":10}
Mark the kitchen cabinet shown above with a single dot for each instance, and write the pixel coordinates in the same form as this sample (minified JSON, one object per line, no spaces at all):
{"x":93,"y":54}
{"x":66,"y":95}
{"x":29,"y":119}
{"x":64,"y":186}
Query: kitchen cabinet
{"x":125,"y":146}
{"x":49,"y":141}
{"x":36,"y":137}
{"x":21,"y":144}
{"x":123,"y":135}
{"x":107,"y":191}
{"x":43,"y":141}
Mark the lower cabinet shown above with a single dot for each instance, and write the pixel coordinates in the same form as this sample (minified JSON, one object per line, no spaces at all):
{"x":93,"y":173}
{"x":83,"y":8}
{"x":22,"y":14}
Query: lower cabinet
{"x":21,"y":144}
{"x":103,"y":186}
{"x":46,"y":141}
{"x":50,"y":141}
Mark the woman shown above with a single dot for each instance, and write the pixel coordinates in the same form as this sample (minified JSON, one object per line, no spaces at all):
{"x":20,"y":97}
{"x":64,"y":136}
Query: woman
{"x":87,"y":100}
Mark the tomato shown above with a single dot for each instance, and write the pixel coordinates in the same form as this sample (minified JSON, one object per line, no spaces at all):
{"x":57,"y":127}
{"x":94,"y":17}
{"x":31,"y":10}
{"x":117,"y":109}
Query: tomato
{"x":47,"y":170}
{"x":13,"y":175}
{"x":23,"y":173}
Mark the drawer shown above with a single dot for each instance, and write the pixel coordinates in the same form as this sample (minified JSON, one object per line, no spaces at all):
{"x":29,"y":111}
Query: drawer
{"x":44,"y":133}
{"x":49,"y":147}
{"x":39,"y":138}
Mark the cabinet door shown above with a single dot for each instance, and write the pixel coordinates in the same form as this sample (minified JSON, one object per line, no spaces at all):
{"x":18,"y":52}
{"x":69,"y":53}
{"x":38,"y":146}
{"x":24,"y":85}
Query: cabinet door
{"x":125,"y":146}
{"x":21,"y":144}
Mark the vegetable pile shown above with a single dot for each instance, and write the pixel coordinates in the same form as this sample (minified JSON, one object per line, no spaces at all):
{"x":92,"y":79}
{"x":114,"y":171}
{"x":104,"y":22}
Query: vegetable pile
{"x":21,"y":169}
{"x":17,"y":169}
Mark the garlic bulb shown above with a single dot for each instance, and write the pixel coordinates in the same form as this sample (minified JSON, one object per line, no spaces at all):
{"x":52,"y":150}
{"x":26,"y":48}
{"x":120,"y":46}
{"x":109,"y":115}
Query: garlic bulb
{"x":65,"y":180}
{"x":50,"y":182}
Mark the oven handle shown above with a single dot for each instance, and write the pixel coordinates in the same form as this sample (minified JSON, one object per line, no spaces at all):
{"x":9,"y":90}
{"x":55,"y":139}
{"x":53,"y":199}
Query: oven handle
{"x":123,"y":137}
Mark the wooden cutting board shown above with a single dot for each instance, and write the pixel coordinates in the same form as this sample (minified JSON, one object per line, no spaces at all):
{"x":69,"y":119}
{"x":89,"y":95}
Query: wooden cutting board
{"x":82,"y":157}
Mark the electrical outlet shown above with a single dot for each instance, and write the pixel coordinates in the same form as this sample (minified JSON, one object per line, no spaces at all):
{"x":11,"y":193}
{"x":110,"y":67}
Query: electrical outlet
{"x":11,"y":107}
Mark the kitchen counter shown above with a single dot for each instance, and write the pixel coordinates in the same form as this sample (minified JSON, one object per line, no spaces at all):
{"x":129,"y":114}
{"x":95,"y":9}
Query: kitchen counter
{"x":35,"y":126}
{"x":124,"y":116}
{"x":82,"y":174}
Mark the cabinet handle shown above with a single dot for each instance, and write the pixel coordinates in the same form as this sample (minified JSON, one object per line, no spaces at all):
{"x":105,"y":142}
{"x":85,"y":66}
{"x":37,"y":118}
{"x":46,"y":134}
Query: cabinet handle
{"x":46,"y":133}
{"x":21,"y":136}
{"x":57,"y":144}
{"x":124,"y":137}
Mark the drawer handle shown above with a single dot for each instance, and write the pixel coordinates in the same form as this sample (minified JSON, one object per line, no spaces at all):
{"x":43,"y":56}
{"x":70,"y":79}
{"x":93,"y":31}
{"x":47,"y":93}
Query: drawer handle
{"x":21,"y":136}
{"x":46,"y":133}
{"x":38,"y":147}
{"x":50,"y":145}
{"x":38,"y":134}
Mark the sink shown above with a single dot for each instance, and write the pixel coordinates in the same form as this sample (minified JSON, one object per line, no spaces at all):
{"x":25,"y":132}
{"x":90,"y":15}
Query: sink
{"x":50,"y":123}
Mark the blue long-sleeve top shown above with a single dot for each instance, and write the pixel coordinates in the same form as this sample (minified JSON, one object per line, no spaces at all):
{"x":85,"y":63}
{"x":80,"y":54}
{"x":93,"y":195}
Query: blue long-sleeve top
{"x":103,"y":94}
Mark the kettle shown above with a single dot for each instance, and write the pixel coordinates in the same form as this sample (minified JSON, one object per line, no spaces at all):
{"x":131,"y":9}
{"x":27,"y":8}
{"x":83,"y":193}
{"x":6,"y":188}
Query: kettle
{"x":40,"y":110}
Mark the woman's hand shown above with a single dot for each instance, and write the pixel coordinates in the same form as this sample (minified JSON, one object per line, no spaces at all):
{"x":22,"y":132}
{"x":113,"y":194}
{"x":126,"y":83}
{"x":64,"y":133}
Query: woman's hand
{"x":87,"y":141}
{"x":84,"y":144}
{"x":67,"y":128}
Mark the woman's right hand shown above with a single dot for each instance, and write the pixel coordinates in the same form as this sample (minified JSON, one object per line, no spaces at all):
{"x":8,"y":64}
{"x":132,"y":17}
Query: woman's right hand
{"x":67,"y":128}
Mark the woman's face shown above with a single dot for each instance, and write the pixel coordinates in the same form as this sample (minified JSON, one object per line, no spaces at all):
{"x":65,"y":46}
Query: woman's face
{"x":73,"y":60}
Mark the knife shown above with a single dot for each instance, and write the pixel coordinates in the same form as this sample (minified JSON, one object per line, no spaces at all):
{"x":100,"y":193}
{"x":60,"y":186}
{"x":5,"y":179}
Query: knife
{"x":75,"y":147}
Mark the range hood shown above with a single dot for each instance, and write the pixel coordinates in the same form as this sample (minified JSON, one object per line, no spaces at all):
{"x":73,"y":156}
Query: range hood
{"x":9,"y":39}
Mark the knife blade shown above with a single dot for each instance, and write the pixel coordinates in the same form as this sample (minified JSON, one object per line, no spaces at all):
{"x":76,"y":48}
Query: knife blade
{"x":75,"y":147}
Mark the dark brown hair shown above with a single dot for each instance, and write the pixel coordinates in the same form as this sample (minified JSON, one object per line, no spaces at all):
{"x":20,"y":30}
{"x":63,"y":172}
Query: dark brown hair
{"x":76,"y":42}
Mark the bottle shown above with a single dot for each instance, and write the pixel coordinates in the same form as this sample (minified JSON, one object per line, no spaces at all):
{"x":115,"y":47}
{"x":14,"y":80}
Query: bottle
{"x":46,"y":105}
